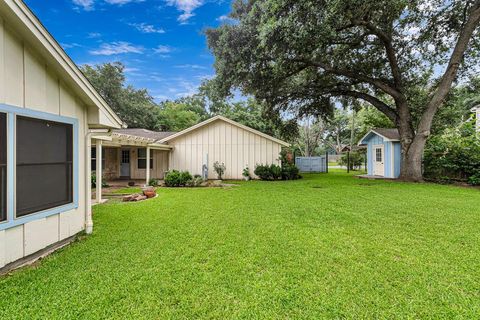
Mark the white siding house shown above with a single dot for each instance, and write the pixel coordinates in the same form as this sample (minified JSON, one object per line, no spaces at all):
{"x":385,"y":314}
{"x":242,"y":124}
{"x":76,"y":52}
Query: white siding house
{"x":216,"y":139}
{"x":48,"y":114}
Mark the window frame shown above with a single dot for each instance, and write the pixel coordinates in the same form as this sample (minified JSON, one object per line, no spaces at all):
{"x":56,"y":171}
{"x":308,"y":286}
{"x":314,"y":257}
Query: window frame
{"x":12,"y":113}
{"x":144,"y":158}
{"x":5,"y":166}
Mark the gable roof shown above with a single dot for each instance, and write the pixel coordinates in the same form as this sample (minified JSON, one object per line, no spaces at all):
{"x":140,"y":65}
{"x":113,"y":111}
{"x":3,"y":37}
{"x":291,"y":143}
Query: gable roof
{"x":386,"y":134}
{"x":144,"y":133}
{"x":222,"y":118}
{"x":19,"y":16}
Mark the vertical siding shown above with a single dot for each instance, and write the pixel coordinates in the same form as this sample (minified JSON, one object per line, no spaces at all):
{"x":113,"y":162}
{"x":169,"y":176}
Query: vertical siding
{"x":398,"y":158}
{"x":225,"y":143}
{"x":26,"y":81}
{"x":372,"y":141}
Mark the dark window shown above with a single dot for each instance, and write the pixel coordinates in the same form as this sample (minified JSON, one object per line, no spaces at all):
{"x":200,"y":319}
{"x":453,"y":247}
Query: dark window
{"x":44,"y":165}
{"x":3,"y":166}
{"x":94,"y":159}
{"x":142,"y":159}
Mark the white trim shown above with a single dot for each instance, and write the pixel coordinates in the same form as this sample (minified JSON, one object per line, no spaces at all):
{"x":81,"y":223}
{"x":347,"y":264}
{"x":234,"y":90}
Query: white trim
{"x":206,"y":122}
{"x":374,"y":158}
{"x":39,"y":35}
{"x":360,"y":143}
{"x":392,"y":160}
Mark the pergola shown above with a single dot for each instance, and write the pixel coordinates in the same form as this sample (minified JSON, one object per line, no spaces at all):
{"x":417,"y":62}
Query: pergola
{"x":115,"y":139}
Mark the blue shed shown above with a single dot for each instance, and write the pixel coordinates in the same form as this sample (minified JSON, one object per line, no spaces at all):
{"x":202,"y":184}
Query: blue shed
{"x":383,"y":152}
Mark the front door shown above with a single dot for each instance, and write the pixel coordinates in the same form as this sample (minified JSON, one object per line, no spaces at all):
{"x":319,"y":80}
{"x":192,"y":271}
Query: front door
{"x":125,"y":163}
{"x":378,"y":160}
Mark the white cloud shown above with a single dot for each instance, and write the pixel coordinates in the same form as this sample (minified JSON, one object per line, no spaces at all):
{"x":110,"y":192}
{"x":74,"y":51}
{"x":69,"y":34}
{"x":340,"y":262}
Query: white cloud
{"x":146,"y":28}
{"x":69,"y":45}
{"x":108,"y":49}
{"x":93,"y":35}
{"x":122,"y":2}
{"x":86,"y":5}
{"x":187,"y":7}
{"x":163,"y":49}
{"x":190,"y":66}
{"x":225,"y":19}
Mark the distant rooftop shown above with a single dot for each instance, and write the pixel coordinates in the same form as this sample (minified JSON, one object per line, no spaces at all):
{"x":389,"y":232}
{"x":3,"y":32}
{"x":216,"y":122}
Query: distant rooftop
{"x":144,"y":133}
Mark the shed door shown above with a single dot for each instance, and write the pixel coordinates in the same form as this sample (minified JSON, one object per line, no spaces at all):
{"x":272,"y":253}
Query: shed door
{"x":125,"y":163}
{"x":379,"y":160}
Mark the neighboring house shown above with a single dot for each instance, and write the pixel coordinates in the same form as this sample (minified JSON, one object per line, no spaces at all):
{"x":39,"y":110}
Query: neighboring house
{"x":216,"y":139}
{"x":48,"y":114}
{"x":476,"y":110}
{"x":383,"y":152}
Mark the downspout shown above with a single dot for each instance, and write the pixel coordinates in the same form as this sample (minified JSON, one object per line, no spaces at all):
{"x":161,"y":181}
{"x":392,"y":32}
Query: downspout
{"x":88,"y":182}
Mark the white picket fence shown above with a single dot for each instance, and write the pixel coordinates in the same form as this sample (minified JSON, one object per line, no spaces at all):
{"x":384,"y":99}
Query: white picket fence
{"x":312,"y":164}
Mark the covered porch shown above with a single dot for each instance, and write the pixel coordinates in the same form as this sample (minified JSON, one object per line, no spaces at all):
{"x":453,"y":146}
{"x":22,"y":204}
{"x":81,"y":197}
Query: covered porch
{"x":124,"y":158}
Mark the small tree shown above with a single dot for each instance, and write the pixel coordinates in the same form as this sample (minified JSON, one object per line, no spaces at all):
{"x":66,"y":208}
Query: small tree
{"x":219,"y":169}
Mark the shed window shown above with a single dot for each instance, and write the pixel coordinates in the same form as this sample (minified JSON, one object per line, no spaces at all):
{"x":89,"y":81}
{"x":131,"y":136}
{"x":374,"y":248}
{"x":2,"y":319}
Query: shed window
{"x":3,"y":166}
{"x":44,"y":165}
{"x":142,"y":158}
{"x":378,"y":154}
{"x":94,"y":159}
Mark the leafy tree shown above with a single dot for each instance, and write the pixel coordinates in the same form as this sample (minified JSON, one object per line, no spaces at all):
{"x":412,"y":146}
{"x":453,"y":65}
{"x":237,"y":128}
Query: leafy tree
{"x":303,"y":55}
{"x":176,"y":116}
{"x":312,"y":132}
{"x":135,"y":107}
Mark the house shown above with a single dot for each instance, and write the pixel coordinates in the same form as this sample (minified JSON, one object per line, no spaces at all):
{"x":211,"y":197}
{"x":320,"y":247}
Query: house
{"x":383,"y":152}
{"x":49,"y":115}
{"x":476,"y":110}
{"x":216,"y":139}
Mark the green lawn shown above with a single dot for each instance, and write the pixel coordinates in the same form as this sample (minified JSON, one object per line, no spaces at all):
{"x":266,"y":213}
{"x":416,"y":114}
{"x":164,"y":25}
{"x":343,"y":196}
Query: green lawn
{"x":328,"y":246}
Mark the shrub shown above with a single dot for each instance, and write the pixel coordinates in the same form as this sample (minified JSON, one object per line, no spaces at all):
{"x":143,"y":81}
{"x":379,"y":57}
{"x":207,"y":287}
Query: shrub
{"x":153,"y":182}
{"x":175,"y":178}
{"x":93,"y":181}
{"x":357,"y":159}
{"x":454,"y":155}
{"x":290,"y":172}
{"x":196,"y":181}
{"x":246,"y":172}
{"x":219,"y":169}
{"x":275,"y":172}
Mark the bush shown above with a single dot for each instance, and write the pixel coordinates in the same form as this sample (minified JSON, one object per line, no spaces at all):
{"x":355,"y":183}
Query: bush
{"x":454,"y":155}
{"x":93,"y":181}
{"x":153,"y":182}
{"x":196,"y":181}
{"x":275,"y":172}
{"x":290,"y":172}
{"x":357,"y":159}
{"x":219,"y":169}
{"x":175,"y":178}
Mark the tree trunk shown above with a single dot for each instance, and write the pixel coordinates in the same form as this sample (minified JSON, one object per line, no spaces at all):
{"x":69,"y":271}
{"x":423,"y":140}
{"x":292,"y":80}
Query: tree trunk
{"x":412,"y":157}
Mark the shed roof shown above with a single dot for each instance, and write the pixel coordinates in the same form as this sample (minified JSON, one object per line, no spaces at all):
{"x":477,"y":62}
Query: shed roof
{"x":386,"y":133}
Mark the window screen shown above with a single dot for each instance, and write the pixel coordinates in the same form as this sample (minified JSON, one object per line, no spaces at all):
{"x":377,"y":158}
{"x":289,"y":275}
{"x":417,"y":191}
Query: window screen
{"x":142,"y":159}
{"x":44,"y":165}
{"x":3,"y":166}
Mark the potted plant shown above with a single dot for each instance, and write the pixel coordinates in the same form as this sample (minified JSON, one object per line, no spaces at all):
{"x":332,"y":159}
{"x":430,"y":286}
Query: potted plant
{"x":246,"y":174}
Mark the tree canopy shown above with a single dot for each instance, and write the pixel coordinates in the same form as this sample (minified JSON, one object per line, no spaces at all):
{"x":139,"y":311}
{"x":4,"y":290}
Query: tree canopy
{"x":302,"y":56}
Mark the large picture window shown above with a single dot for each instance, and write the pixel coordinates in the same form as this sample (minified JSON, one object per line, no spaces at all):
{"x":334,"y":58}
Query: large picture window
{"x":142,"y":159}
{"x":44,"y":172}
{"x":3,"y":166}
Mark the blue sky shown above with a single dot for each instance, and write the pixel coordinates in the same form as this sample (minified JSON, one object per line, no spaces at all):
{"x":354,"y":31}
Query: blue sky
{"x":159,"y":41}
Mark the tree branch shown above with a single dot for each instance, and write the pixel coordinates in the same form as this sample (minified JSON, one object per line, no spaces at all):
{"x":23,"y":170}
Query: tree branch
{"x":452,"y":69}
{"x":377,"y":103}
{"x":380,"y":84}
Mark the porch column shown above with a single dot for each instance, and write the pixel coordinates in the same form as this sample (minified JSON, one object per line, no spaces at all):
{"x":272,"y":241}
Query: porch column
{"x":99,"y":172}
{"x":147,"y":175}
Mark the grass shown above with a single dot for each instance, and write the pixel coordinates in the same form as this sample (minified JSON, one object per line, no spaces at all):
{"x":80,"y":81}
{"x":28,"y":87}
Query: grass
{"x":327,"y":246}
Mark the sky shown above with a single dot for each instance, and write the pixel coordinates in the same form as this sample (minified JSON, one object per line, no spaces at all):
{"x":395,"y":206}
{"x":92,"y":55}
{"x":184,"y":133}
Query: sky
{"x":160,"y":42}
